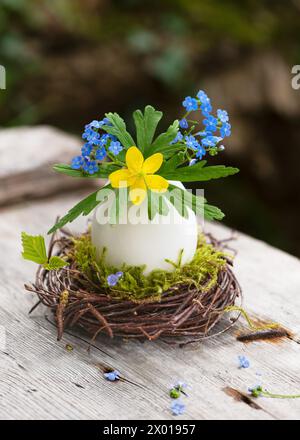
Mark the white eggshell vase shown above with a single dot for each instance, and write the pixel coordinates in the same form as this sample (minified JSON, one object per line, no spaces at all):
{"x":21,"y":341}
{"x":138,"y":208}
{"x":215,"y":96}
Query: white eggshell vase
{"x":147,"y":244}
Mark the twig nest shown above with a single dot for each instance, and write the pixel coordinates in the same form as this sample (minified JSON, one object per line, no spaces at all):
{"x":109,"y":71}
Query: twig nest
{"x":186,"y":306}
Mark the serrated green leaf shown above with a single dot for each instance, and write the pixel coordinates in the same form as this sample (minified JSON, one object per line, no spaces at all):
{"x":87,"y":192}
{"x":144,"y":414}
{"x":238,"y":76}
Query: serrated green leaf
{"x":104,"y":171}
{"x":162,"y":143}
{"x":172,"y":163}
{"x":172,"y":149}
{"x":212,"y":212}
{"x":34,"y":248}
{"x":146,"y":125}
{"x":118,"y":129}
{"x":199,"y":173}
{"x":186,"y":199}
{"x":84,"y":207}
{"x":55,"y":263}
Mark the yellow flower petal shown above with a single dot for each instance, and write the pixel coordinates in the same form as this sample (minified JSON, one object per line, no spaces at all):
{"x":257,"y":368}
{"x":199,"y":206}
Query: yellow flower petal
{"x":156,"y":183}
{"x":153,"y":163}
{"x":138,"y":191}
{"x":121,"y":178}
{"x":134,"y":160}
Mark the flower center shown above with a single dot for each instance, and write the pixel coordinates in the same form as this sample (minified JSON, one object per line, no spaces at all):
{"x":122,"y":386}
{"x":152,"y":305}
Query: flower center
{"x":140,"y":174}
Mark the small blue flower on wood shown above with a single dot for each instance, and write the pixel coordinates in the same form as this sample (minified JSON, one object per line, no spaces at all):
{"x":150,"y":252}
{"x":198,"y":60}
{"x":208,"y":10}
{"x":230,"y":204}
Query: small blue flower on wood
{"x":177,"y":407}
{"x":255,"y":391}
{"x":243,"y":362}
{"x":177,"y":389}
{"x":112,"y":376}
{"x":179,"y":385}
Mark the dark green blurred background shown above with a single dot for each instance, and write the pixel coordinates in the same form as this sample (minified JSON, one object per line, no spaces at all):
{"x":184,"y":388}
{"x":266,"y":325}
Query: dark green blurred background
{"x":69,"y":61}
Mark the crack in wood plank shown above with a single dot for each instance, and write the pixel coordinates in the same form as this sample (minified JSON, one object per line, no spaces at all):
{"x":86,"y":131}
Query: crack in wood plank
{"x":13,"y":359}
{"x":239,"y":396}
{"x":104,"y":367}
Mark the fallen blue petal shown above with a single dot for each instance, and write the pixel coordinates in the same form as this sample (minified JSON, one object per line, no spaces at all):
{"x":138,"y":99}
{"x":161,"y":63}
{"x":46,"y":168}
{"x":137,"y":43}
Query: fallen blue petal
{"x":177,"y":407}
{"x":112,"y":375}
{"x":179,"y":385}
{"x":243,"y":362}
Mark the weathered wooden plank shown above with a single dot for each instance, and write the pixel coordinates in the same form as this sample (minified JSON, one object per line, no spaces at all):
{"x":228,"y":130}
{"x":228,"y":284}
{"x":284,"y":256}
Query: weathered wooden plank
{"x":26,"y":157}
{"x":40,"y":379}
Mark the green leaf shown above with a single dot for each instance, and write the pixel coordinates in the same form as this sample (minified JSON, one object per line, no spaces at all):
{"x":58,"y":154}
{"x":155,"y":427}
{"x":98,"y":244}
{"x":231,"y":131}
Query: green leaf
{"x":34,"y":248}
{"x":118,"y":129}
{"x":118,"y":206}
{"x":172,"y":163}
{"x":84,"y":207}
{"x":146,"y":125}
{"x":185,"y":199}
{"x":199,"y":173}
{"x":104,"y":171}
{"x":172,"y":149}
{"x":212,"y":212}
{"x":156,"y":205}
{"x":162,"y":142}
{"x":175,"y":196}
{"x":55,"y":263}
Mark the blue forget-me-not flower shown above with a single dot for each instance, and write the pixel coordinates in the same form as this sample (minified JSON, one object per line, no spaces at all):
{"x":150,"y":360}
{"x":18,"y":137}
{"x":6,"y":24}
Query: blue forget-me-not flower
{"x":190,"y":104}
{"x":112,"y":375}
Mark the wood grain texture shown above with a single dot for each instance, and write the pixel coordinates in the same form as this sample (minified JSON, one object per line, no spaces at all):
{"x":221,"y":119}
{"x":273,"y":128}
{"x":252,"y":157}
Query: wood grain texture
{"x":26,"y":157}
{"x":40,"y":379}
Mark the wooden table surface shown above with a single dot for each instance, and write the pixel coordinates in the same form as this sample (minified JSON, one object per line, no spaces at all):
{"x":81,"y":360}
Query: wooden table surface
{"x":41,"y":379}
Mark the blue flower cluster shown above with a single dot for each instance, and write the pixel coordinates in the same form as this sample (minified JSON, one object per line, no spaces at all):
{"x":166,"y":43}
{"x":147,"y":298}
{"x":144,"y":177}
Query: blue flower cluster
{"x":216,"y":128}
{"x":177,"y":406}
{"x":97,"y":146}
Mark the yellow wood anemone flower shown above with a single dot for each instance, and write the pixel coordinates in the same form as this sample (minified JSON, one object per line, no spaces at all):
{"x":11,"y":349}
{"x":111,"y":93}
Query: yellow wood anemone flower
{"x":139,"y":175}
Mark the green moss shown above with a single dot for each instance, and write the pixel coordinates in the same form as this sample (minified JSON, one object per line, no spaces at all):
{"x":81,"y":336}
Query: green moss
{"x":201,"y":272}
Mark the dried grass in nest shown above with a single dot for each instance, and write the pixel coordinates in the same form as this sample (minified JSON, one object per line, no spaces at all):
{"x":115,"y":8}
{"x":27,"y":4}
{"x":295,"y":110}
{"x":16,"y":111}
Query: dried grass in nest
{"x":183,"y":314}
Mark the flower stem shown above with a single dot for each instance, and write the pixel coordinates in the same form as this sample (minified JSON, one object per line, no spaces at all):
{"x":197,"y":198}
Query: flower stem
{"x":280,"y":396}
{"x":249,"y":321}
